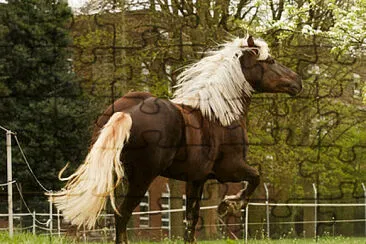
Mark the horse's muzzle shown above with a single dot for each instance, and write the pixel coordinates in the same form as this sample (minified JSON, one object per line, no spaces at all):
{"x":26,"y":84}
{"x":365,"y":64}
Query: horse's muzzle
{"x":295,"y":87}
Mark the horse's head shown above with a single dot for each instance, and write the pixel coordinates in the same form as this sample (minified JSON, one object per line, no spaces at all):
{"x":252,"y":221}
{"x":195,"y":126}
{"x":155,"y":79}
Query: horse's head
{"x":220,"y":83}
{"x":264,"y":73}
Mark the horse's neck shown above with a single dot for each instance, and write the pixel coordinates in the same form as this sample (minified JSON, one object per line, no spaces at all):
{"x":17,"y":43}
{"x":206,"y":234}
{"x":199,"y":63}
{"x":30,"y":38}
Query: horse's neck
{"x":243,"y":120}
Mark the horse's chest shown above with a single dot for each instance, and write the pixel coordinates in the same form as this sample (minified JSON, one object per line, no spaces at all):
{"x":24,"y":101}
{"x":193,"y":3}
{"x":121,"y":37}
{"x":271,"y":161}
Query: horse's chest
{"x":204,"y":146}
{"x":206,"y":140}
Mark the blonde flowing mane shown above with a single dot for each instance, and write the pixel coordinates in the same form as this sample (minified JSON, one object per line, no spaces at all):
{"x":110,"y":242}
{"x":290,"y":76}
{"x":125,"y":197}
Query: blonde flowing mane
{"x":216,"y":83}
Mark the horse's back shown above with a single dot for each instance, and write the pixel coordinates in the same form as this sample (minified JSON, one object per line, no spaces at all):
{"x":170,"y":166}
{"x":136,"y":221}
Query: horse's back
{"x":129,"y":100}
{"x":157,"y":129}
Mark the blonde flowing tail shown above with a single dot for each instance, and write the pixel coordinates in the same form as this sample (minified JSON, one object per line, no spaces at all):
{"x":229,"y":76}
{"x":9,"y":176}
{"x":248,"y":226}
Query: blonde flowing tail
{"x":86,"y":191}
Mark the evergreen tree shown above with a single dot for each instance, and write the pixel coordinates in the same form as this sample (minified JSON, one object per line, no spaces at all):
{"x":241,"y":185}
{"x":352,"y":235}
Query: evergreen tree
{"x":40,"y":96}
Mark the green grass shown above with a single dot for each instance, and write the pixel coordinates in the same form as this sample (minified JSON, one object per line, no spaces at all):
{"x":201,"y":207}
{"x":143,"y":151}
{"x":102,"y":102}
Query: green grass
{"x":324,"y":240}
{"x":27,"y":238}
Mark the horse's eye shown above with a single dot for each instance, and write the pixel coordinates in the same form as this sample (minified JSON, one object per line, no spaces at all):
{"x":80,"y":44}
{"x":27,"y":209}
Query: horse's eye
{"x":270,"y":60}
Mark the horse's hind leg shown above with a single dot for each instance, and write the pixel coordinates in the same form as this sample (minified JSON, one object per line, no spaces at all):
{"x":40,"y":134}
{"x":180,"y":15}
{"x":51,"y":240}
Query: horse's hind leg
{"x":134,"y":193}
{"x":234,"y":203}
{"x":121,"y":228}
{"x":194,"y":194}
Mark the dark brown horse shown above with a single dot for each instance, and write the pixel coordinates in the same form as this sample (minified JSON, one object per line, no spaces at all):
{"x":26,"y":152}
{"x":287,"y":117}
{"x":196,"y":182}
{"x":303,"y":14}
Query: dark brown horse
{"x":199,"y":135}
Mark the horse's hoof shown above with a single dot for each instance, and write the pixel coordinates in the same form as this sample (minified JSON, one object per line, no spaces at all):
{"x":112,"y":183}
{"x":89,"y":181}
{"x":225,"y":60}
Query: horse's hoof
{"x":223,"y":208}
{"x":230,"y":206}
{"x":190,"y":241}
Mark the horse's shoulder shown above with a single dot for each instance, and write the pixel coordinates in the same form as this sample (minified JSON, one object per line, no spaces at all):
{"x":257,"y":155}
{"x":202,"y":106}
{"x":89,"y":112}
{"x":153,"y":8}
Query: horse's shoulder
{"x":192,"y":117}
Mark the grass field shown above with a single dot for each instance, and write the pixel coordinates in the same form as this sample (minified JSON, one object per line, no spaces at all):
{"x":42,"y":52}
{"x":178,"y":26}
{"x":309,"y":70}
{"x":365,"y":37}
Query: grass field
{"x":30,"y":239}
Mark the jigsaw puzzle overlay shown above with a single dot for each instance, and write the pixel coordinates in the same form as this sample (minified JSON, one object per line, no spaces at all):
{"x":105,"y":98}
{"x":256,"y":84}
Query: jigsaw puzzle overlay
{"x":312,"y":143}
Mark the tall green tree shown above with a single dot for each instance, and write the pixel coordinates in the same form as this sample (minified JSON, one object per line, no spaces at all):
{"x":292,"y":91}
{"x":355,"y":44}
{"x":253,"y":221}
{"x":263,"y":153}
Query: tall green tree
{"x":40,"y":96}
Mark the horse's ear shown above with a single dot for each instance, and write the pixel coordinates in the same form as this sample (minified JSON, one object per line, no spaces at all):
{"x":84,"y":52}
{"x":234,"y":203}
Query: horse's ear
{"x":252,"y":45}
{"x":250,"y":41}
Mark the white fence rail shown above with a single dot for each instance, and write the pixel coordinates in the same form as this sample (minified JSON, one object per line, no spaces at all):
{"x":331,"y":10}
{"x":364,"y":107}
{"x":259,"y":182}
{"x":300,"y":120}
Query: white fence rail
{"x":48,"y":228}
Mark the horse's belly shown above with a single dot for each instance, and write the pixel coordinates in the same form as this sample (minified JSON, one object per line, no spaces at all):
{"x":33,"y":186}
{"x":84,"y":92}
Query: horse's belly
{"x":191,"y":163}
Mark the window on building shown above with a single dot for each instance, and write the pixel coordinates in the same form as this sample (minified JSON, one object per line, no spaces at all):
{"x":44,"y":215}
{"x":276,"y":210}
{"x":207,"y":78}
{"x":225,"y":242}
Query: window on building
{"x":165,"y":205}
{"x":145,"y":207}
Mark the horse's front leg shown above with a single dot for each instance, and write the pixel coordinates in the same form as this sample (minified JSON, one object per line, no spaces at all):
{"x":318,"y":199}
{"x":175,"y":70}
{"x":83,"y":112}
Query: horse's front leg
{"x":234,"y":203}
{"x":194,"y":194}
